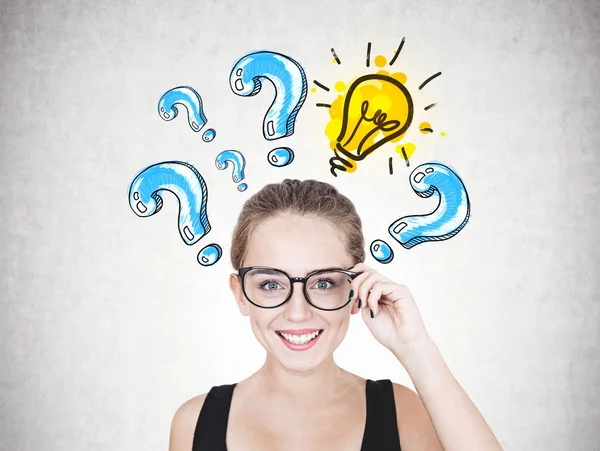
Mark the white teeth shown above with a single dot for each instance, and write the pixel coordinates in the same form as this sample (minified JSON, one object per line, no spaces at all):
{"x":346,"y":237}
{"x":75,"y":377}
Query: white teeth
{"x":299,"y":339}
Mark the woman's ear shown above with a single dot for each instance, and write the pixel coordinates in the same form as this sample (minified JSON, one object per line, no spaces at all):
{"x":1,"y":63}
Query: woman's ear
{"x":235,"y":284}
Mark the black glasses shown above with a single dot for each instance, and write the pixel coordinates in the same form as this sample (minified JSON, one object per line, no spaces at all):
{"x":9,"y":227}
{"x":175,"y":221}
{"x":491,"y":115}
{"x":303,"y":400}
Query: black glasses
{"x":325,"y":289}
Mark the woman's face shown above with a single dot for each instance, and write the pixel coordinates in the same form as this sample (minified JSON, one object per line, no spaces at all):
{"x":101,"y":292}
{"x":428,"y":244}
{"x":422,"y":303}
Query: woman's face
{"x":297,"y":245}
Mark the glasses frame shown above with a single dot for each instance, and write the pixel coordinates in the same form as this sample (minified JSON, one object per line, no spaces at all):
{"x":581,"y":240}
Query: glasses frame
{"x":243,"y":271}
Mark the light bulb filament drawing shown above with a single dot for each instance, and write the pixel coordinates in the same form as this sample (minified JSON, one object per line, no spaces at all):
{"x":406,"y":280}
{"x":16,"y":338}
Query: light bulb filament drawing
{"x":375,"y":105}
{"x":378,"y":119}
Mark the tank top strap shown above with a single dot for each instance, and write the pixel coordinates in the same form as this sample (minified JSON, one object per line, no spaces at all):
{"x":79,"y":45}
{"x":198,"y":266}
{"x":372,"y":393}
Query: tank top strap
{"x":381,"y":429}
{"x":211,"y":427}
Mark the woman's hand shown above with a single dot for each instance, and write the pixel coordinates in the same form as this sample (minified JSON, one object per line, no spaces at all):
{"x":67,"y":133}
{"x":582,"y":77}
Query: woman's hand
{"x":396,"y":321}
{"x":397,"y":324}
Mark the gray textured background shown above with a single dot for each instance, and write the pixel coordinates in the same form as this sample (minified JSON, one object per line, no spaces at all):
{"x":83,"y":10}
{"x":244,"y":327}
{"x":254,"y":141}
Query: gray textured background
{"x":108,"y":324}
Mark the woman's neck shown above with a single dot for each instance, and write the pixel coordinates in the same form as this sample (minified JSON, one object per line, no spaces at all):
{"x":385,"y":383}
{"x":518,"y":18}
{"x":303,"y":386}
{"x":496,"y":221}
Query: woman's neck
{"x":324,"y":383}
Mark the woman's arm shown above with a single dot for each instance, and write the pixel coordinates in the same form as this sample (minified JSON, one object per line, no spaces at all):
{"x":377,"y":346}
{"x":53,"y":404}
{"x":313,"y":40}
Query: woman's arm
{"x":456,"y":420}
{"x":392,"y":316}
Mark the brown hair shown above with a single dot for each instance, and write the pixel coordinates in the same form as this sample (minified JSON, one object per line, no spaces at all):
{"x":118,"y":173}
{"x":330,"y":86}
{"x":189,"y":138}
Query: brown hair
{"x":304,"y":197}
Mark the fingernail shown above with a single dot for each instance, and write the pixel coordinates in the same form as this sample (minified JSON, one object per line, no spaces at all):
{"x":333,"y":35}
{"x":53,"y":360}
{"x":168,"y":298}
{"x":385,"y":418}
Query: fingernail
{"x":351,"y":294}
{"x":359,"y":303}
{"x":372,"y":316}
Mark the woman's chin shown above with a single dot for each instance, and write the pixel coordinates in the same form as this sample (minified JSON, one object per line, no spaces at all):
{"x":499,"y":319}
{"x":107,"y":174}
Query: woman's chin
{"x":298,"y":360}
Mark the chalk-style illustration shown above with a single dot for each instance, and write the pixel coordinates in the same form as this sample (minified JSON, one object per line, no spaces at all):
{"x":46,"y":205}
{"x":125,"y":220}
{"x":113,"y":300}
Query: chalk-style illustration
{"x":434,"y":76}
{"x":186,"y":183}
{"x":335,"y":57}
{"x":239,"y":165}
{"x":373,"y":110}
{"x":289,"y":80}
{"x":405,"y":150}
{"x":425,"y":127}
{"x":367,"y":117}
{"x":450,"y":216}
{"x":209,"y":255}
{"x":191,"y":100}
{"x":209,"y":135}
{"x":280,"y":156}
{"x":381,"y":251}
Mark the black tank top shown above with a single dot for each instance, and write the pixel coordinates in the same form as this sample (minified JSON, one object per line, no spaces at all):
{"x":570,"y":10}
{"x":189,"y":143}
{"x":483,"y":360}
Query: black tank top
{"x":381,"y":428}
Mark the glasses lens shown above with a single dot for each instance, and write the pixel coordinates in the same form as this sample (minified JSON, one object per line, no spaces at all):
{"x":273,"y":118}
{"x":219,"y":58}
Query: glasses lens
{"x":266,"y":287}
{"x":329,"y":289}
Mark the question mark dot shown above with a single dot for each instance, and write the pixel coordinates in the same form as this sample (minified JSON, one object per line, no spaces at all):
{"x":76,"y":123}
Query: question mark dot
{"x":242,"y":187}
{"x":209,"y":255}
{"x":209,"y":135}
{"x":381,"y":251}
{"x":280,"y":156}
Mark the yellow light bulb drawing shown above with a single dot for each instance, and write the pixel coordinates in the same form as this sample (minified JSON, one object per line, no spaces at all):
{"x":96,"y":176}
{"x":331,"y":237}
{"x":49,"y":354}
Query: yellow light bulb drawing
{"x":376,"y":109}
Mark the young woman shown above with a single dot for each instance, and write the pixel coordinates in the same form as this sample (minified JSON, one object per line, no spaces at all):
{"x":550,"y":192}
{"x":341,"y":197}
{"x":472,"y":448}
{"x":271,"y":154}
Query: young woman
{"x":298,"y":250}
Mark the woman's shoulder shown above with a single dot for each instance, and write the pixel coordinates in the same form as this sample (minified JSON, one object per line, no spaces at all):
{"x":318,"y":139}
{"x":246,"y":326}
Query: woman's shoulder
{"x":406,"y":400}
{"x":414,"y":424}
{"x":184,"y":422}
{"x":403,"y":392}
{"x":408,"y":403}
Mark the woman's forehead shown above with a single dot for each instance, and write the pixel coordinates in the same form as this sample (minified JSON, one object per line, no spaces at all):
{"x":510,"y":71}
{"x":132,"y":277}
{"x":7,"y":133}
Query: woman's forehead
{"x":296,"y":243}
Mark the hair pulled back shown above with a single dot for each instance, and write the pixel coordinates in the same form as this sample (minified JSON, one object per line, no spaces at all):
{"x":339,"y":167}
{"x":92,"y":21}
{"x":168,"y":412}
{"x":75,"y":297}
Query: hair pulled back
{"x":306,"y":197}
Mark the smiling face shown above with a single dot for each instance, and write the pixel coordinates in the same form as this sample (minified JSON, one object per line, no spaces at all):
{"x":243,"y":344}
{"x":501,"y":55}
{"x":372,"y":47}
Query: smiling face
{"x":297,"y":245}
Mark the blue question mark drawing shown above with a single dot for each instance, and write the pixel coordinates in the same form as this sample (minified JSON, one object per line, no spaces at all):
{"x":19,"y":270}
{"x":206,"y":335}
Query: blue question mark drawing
{"x":289,"y":80}
{"x":239,"y":165}
{"x":450,"y":216}
{"x":191,"y":100}
{"x":186,"y":183}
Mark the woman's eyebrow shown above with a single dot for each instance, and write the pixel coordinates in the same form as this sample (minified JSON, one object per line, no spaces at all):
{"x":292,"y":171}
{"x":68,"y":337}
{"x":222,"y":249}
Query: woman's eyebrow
{"x":275,"y":271}
{"x":332,"y":268}
{"x":267,"y":271}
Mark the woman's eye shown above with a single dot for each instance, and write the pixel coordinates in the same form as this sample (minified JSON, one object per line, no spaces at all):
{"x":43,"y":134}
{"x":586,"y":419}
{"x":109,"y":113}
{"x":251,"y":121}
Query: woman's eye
{"x":323,"y":284}
{"x":269,"y":285}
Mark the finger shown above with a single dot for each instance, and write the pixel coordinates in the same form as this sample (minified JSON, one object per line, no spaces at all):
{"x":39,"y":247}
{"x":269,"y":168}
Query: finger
{"x":386,"y":290}
{"x":355,"y":284}
{"x":355,"y":287}
{"x":361,"y":285}
{"x":365,"y":287}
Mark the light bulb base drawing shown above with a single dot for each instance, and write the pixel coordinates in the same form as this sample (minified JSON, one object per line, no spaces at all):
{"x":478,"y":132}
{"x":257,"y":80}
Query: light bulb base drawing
{"x":345,"y":163}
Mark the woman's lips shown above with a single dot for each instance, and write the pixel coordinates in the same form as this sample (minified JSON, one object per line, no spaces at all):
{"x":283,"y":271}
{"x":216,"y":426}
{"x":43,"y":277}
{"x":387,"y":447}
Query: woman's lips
{"x":301,"y":347}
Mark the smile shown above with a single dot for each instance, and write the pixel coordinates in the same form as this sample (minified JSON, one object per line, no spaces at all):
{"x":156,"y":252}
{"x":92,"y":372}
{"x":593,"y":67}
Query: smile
{"x":300,"y":341}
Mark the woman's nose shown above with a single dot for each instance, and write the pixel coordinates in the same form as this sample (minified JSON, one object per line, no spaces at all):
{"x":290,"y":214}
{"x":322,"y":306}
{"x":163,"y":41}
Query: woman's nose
{"x":297,"y":304}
